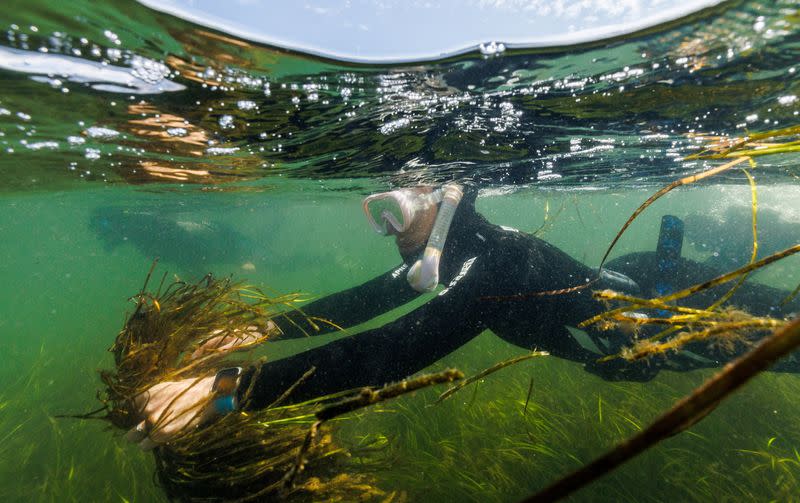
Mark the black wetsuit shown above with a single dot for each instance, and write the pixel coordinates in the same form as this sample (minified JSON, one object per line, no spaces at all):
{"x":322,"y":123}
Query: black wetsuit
{"x":480,"y":262}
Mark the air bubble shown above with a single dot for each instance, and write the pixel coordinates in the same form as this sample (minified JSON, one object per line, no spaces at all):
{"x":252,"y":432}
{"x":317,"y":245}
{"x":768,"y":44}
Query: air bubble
{"x":492,"y":48}
{"x":226,"y":122}
{"x":148,"y":70}
{"x":102,"y":133}
{"x":176,"y":131}
{"x":221,"y":150}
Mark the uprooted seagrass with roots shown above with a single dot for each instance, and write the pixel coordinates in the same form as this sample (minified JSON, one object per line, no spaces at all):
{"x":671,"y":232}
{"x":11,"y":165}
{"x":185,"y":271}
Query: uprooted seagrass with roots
{"x":717,"y":324}
{"x":283,"y":451}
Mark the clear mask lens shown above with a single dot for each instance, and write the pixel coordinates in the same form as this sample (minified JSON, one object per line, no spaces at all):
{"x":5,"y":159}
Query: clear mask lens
{"x":386,"y":212}
{"x":396,"y":209}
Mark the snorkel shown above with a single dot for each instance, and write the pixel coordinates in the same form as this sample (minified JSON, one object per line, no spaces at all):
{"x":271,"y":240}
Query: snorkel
{"x":424,"y":274}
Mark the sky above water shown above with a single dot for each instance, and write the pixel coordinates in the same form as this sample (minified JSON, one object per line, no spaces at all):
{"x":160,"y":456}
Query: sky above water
{"x":412,"y":30}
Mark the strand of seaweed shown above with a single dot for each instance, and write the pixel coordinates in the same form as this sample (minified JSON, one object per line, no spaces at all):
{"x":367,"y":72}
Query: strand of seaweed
{"x":753,"y":144}
{"x":480,"y":375}
{"x":364,"y":398}
{"x":699,"y":324}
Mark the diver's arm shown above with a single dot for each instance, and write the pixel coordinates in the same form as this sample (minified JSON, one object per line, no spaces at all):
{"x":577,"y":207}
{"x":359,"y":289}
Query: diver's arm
{"x":374,"y":357}
{"x":349,"y":307}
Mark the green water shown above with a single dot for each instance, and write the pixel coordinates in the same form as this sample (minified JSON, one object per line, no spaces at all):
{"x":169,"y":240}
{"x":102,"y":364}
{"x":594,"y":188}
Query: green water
{"x":65,"y":296}
{"x":567,"y":143}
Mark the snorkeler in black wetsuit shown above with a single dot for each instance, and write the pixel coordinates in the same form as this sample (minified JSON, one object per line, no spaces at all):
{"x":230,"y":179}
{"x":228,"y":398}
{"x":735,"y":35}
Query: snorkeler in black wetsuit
{"x":493,"y":277}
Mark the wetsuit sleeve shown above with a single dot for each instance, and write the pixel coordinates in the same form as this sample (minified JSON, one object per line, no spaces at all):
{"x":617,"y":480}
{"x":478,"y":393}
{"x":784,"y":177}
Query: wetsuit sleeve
{"x":349,"y":307}
{"x":375,"y":357}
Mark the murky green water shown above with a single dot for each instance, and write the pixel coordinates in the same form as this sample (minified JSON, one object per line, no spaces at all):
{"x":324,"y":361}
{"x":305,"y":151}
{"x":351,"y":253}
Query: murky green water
{"x":129,"y":135}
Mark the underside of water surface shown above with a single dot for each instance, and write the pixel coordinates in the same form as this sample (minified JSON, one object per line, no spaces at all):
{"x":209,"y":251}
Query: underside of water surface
{"x":127,"y":134}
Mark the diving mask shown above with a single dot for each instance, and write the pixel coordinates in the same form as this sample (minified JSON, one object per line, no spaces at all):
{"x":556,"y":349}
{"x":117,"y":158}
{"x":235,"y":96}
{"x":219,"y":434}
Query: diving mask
{"x":396,"y":209}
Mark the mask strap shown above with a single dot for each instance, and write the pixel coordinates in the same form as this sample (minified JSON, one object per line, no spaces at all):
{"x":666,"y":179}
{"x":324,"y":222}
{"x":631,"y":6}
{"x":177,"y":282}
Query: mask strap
{"x":424,"y":274}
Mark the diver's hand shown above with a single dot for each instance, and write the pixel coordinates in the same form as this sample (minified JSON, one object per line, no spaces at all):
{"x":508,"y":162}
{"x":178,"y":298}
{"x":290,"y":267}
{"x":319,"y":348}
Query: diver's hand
{"x":169,"y":408}
{"x":239,"y":340}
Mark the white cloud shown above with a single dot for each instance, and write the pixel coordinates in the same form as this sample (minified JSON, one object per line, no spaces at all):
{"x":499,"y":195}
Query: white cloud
{"x":322,"y":11}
